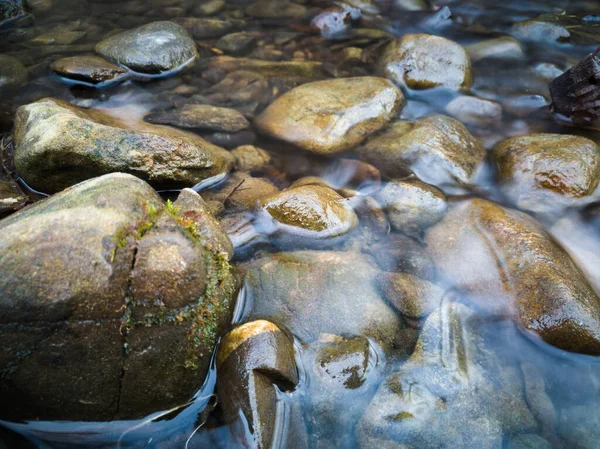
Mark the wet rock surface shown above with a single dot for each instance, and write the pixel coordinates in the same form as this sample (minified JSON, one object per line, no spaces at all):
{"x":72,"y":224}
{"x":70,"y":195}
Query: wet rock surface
{"x":423,"y":61}
{"x":332,"y":116}
{"x":88,"y":69}
{"x":388,"y":297}
{"x":78,"y":340}
{"x":542,"y":171}
{"x":152,"y":49}
{"x":52,"y":138}
{"x":310,"y":211}
{"x":450,"y":377}
{"x":506,"y":260}
{"x":314,"y":292}
{"x":438,"y":149}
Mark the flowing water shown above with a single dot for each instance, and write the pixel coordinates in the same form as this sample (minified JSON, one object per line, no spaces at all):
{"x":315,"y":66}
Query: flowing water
{"x":561,"y":389}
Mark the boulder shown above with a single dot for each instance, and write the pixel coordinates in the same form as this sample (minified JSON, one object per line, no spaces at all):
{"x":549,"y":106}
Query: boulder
{"x":332,"y":116}
{"x":128,"y":292}
{"x":58,"y":145}
{"x":506,"y":261}
{"x":12,"y":73}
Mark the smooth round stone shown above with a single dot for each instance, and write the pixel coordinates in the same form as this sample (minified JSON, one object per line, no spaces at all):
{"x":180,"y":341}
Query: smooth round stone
{"x":311,"y":212}
{"x":544,"y":171}
{"x":423,"y":61}
{"x":153,"y":49}
{"x":59,"y":38}
{"x":412,"y":205}
{"x":332,"y":116}
{"x":276,"y":9}
{"x":438,"y":149}
{"x":88,"y":69}
{"x":12,"y":72}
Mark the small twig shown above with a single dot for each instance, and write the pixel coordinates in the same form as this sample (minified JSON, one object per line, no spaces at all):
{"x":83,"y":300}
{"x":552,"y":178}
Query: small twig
{"x":596,"y":52}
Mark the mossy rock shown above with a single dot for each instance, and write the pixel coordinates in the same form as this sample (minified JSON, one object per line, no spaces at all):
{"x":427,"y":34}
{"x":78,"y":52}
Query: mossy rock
{"x":105,"y":293}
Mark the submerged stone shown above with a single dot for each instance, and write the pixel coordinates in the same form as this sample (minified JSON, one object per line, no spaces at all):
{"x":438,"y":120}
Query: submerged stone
{"x":315,"y":292}
{"x":199,"y":116}
{"x":412,"y":205}
{"x":452,"y":377}
{"x":12,"y":72}
{"x":542,"y":172}
{"x":438,"y":149}
{"x":506,"y":261}
{"x":423,"y":61}
{"x":58,"y":145}
{"x":332,"y":116}
{"x":154,"y":49}
{"x":122,"y":283}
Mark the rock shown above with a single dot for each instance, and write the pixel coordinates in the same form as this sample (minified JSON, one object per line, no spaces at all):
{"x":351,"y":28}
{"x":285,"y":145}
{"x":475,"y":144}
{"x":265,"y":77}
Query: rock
{"x":291,"y":70}
{"x":539,"y":31}
{"x":558,"y":27}
{"x":92,"y":70}
{"x":324,"y":292}
{"x":343,"y":373}
{"x":40,"y":6}
{"x":412,"y":205}
{"x":249,"y":193}
{"x":240,"y":89}
{"x":210,"y":8}
{"x":529,"y":441}
{"x":412,"y":5}
{"x":525,"y":105}
{"x":58,"y":38}
{"x":403,"y":254}
{"x":333,"y":23}
{"x":250,"y":158}
{"x":12,"y":73}
{"x":506,"y":261}
{"x":306,"y":213}
{"x":423,"y":61}
{"x":122,"y":283}
{"x":231,"y":140}
{"x":199,"y":116}
{"x":280,"y":9}
{"x":504,"y":47}
{"x":10,"y":11}
{"x":453,"y":376}
{"x":579,"y":426}
{"x":542,"y":172}
{"x":411,"y":296}
{"x":11,"y":196}
{"x":475,"y":111}
{"x":205,"y":28}
{"x":236,"y":43}
{"x":54,"y":141}
{"x":195,"y":212}
{"x":332,"y":116}
{"x":438,"y":149}
{"x":158,"y":48}
{"x":254,"y":362}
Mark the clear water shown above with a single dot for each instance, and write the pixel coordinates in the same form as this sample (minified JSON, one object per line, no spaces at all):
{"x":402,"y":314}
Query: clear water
{"x":572,"y":382}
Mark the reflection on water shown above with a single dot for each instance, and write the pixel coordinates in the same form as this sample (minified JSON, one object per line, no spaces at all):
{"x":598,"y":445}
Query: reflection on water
{"x":375,"y":370}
